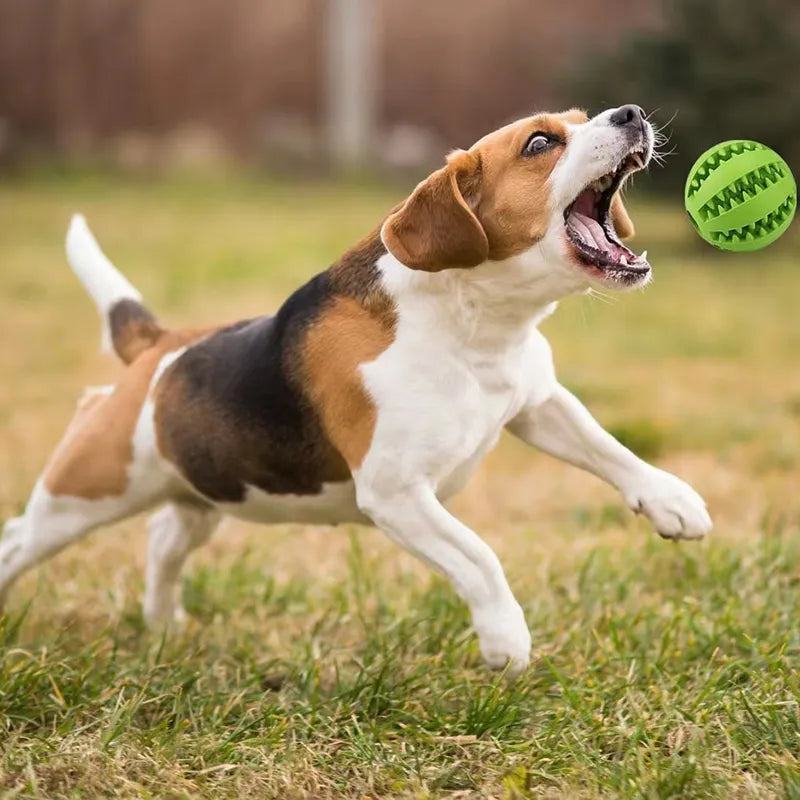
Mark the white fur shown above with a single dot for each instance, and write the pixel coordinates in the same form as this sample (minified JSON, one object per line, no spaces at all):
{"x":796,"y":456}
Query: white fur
{"x":473,"y":362}
{"x":469,"y":368}
{"x":562,"y":427}
{"x":102,"y":280}
{"x":335,"y":503}
{"x":595,"y":148}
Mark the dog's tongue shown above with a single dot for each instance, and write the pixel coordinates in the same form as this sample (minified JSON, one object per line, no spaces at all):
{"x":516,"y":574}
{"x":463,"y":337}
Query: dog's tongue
{"x":588,"y":228}
{"x":585,"y":224}
{"x":583,"y":221}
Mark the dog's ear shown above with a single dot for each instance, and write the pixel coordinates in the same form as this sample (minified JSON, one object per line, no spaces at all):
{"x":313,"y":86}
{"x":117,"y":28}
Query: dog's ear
{"x":435,"y":228}
{"x":623,"y":224}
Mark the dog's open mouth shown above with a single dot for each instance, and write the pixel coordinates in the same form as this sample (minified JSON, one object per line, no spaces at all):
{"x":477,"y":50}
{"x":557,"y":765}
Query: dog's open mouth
{"x":590,"y":229}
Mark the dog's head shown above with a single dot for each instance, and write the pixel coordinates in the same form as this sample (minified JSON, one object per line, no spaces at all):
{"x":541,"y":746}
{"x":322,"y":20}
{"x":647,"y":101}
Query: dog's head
{"x":548,"y":183}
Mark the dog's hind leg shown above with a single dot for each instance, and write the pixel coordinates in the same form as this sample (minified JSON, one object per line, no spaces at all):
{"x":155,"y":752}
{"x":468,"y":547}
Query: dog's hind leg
{"x":103,"y":470}
{"x":174,"y":531}
{"x":12,"y":528}
{"x":49,"y":524}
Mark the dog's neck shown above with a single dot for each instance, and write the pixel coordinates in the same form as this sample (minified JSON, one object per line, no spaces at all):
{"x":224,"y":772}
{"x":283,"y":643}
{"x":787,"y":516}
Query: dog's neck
{"x":487,"y":307}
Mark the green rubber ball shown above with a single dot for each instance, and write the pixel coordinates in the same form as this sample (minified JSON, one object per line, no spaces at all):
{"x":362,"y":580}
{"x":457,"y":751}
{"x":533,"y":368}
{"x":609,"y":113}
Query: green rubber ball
{"x":740,"y":196}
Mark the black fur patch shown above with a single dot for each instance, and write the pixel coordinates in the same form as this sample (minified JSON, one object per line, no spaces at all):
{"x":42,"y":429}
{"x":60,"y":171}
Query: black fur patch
{"x":232,"y":411}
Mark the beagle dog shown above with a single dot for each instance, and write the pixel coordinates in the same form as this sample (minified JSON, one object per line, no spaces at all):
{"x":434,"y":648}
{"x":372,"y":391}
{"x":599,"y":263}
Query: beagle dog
{"x":377,"y":388}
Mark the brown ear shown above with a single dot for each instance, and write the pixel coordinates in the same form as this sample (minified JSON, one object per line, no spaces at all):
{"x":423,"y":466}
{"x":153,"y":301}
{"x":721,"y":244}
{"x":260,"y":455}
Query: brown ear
{"x":623,"y":224}
{"x":435,"y":229}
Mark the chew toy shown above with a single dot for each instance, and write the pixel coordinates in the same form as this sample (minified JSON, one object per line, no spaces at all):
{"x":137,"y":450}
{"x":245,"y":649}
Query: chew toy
{"x":740,"y":196}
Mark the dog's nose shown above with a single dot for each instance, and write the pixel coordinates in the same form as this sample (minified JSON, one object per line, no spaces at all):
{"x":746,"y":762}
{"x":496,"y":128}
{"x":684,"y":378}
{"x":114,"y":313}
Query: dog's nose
{"x":627,"y":115}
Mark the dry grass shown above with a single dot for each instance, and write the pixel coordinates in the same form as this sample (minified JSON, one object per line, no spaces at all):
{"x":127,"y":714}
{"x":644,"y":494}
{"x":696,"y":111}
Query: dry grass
{"x":323,"y":663}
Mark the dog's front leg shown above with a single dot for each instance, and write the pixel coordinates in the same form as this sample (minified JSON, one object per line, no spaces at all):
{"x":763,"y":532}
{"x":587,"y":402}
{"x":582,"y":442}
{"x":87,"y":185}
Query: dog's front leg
{"x":562,"y":427}
{"x":414,"y":518}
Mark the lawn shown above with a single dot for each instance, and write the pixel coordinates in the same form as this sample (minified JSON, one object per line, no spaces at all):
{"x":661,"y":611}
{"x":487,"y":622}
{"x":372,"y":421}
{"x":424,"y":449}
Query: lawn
{"x":324,"y":663}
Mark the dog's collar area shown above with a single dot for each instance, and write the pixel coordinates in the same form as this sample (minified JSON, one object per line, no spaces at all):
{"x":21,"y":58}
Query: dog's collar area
{"x":590,"y":229}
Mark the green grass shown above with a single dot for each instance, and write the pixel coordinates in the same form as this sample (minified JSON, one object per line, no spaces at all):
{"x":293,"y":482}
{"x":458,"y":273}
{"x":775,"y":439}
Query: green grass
{"x":657,"y":675}
{"x":322,"y":663}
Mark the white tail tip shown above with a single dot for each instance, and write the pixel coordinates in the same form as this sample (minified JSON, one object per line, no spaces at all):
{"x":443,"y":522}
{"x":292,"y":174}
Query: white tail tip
{"x":102,"y":280}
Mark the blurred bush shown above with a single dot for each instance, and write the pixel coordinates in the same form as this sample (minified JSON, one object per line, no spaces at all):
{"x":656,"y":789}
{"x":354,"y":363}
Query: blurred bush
{"x":723,"y":70}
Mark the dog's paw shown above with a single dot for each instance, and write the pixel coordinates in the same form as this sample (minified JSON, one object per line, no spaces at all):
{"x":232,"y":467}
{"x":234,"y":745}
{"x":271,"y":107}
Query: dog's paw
{"x":505,"y":640}
{"x":676,"y":510}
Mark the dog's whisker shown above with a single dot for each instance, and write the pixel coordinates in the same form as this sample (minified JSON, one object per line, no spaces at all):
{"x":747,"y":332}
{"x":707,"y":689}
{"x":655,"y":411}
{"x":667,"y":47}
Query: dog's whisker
{"x":602,"y":297}
{"x":661,"y":156}
{"x":668,"y":122}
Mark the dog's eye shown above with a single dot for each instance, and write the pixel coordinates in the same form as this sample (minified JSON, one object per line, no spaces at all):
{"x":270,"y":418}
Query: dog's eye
{"x":537,"y":143}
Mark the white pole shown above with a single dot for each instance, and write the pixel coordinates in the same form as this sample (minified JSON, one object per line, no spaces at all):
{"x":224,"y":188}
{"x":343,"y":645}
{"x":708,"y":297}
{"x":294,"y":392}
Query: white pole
{"x":351,"y":80}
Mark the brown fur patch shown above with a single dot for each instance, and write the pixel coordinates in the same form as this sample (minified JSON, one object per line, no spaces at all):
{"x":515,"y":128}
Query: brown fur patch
{"x":345,"y":336}
{"x":620,"y":218}
{"x":92,"y":459}
{"x":513,"y":201}
{"x":436,"y":229}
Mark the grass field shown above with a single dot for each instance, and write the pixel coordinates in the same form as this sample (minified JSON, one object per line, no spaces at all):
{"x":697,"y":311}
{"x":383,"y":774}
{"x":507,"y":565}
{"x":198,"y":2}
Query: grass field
{"x":324,"y":663}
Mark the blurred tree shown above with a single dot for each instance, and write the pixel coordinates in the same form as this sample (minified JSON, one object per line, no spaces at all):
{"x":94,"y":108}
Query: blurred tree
{"x":725,"y":70}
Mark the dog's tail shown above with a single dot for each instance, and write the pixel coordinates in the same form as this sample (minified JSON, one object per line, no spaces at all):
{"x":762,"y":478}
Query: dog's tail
{"x":128,"y":325}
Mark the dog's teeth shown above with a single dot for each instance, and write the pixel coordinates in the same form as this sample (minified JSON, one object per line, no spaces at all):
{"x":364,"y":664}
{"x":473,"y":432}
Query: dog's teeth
{"x":623,"y":261}
{"x":637,"y":158}
{"x":643,"y":256}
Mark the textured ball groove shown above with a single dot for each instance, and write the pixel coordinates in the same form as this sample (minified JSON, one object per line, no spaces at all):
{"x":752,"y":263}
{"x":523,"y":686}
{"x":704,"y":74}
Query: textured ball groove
{"x":740,"y":196}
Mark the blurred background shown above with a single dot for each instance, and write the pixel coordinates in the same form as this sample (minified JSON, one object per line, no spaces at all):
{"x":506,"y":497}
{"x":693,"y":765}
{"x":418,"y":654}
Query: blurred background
{"x":379,"y":84}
